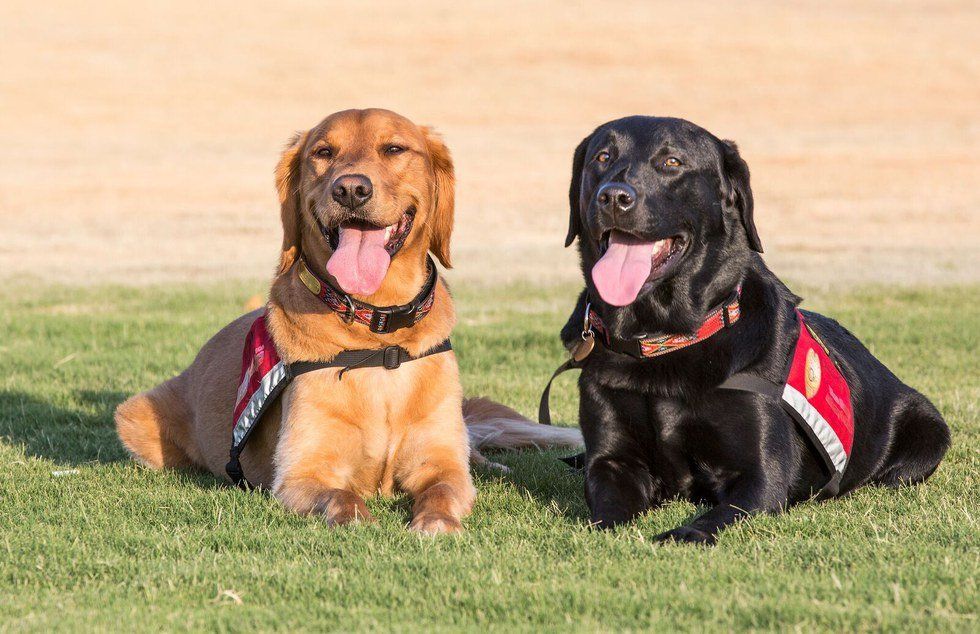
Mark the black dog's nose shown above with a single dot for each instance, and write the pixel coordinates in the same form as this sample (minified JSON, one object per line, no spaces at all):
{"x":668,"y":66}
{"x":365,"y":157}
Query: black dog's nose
{"x":617,"y":197}
{"x":352,"y":190}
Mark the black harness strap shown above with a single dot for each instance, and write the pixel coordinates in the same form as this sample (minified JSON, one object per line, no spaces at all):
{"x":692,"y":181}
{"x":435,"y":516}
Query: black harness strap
{"x":744,"y":382}
{"x":389,"y":358}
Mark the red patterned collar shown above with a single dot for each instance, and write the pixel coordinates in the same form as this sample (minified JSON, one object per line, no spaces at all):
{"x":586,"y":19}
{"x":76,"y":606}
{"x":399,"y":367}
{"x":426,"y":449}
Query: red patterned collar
{"x":380,"y":319}
{"x":649,"y":347}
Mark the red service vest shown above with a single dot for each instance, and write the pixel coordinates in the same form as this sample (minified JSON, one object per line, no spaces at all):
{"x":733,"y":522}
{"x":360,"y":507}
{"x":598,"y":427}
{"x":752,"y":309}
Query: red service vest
{"x":815,"y":394}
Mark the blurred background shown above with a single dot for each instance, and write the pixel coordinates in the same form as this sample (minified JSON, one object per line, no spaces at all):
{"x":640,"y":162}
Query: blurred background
{"x":137,"y":140}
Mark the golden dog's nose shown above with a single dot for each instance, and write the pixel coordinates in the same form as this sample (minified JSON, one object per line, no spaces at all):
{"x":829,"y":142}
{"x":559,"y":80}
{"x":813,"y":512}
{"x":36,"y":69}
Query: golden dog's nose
{"x":352,"y":190}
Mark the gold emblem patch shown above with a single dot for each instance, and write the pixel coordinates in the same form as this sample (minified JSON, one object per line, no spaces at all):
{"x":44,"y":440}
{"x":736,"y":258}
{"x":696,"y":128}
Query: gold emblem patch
{"x":812,"y":372}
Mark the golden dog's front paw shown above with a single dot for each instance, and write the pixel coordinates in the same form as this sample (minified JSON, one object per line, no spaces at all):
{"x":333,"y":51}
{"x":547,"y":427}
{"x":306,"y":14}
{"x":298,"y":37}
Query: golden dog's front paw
{"x":339,"y":508}
{"x":435,"y":524}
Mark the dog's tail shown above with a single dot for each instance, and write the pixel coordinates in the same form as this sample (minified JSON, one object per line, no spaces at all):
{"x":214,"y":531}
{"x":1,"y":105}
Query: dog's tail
{"x":494,"y":426}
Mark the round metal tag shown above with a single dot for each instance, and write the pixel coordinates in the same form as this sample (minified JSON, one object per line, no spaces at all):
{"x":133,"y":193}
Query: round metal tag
{"x":583,"y":348}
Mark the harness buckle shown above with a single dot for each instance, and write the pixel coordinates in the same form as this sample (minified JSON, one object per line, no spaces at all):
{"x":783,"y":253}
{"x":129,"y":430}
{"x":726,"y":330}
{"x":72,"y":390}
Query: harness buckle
{"x":392,"y":357}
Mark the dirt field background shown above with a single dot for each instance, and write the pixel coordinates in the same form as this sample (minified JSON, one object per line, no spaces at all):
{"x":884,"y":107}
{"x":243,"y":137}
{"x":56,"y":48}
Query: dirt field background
{"x":137,"y":142}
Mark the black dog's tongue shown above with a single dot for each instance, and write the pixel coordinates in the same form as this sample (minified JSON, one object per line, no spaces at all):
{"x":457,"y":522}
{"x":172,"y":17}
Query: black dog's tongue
{"x":625,"y":266}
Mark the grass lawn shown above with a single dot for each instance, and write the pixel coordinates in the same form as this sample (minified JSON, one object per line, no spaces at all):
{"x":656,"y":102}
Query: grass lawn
{"x":110,"y":545}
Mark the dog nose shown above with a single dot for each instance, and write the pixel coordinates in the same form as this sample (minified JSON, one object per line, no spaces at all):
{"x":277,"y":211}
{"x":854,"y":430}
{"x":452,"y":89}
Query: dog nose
{"x":616,"y":197}
{"x":352,"y":190}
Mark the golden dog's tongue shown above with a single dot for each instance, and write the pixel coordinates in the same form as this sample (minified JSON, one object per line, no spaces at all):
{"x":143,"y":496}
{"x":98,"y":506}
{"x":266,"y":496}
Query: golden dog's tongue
{"x":624,"y":268}
{"x":360,"y":262}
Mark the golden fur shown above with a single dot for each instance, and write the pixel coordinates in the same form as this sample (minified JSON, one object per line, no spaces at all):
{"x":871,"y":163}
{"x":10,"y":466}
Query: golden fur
{"x":327,"y":443}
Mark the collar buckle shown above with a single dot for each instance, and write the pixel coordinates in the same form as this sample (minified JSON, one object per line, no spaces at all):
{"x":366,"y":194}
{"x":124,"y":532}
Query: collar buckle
{"x":389,"y":318}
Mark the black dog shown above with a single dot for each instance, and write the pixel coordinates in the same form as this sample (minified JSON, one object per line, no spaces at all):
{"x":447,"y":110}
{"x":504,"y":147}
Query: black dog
{"x":663,"y":213}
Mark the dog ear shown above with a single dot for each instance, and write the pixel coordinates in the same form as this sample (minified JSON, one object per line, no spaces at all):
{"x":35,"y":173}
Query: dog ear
{"x":738,"y":194}
{"x":287,"y":184}
{"x":574,"y":192}
{"x":444,"y":204}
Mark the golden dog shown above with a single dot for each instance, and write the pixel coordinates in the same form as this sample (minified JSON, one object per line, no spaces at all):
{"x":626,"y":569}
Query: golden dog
{"x":365,"y":196}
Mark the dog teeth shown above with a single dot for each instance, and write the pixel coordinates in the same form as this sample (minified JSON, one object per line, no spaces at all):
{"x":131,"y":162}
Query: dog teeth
{"x":388,"y":230}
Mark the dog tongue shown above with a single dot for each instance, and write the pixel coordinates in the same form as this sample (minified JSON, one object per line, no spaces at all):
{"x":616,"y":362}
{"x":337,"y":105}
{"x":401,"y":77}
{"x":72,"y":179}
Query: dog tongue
{"x":360,"y":261}
{"x":623,"y":269}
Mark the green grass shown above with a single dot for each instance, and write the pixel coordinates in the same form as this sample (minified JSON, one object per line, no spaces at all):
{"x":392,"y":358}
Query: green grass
{"x":116,"y":546}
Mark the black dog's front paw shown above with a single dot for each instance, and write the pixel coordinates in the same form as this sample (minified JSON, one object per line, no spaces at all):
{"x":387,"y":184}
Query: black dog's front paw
{"x":609,"y":521}
{"x":687,"y":535}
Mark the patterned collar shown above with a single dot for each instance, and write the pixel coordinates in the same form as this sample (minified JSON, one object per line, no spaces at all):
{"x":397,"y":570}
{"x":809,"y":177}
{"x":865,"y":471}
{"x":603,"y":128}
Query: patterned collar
{"x":647,"y":347}
{"x":380,"y":319}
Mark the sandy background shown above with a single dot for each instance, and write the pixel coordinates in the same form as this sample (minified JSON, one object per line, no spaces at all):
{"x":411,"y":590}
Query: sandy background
{"x":137,"y":142}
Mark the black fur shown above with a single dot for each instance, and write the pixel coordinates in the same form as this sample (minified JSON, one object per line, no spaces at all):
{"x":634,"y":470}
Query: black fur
{"x":658,"y":428}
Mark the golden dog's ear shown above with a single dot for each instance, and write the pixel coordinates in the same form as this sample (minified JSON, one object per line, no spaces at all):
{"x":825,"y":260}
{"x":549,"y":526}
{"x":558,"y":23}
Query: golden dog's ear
{"x":443,"y":207}
{"x":287,"y":184}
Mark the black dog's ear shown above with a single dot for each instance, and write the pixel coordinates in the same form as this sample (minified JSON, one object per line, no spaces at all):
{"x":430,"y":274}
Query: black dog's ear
{"x":739,"y":194}
{"x":574,"y":213}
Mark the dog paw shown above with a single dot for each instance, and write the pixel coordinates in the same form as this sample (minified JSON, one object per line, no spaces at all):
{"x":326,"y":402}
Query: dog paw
{"x":350,"y":516}
{"x":687,"y":535}
{"x":435,"y":524}
{"x":340,"y":508}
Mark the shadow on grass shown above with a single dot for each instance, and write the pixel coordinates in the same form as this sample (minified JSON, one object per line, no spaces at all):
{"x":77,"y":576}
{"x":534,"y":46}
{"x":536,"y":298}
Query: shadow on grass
{"x":74,"y":436}
{"x":66,"y":435}
{"x":83,"y":432}
{"x":552,"y":483}
{"x":542,"y":476}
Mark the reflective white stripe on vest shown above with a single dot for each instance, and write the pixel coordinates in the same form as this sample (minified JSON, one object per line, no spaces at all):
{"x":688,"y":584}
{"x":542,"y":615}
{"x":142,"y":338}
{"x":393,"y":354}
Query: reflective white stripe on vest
{"x":251,"y":412}
{"x":824,"y":432}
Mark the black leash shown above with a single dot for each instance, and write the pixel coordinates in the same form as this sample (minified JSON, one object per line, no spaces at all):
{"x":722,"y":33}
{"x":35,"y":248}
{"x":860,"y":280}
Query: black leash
{"x":544,"y":406}
{"x":577,"y":461}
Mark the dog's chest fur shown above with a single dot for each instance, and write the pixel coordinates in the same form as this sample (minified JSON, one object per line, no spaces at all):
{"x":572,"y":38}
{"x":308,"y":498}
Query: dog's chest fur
{"x":695,"y":445}
{"x":687,"y":450}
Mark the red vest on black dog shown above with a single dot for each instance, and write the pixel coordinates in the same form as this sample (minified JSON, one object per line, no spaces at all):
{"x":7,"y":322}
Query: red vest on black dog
{"x":815,"y":394}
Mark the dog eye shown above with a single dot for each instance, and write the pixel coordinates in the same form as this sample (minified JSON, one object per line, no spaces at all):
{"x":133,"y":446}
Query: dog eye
{"x":602,"y":157}
{"x":672,"y":161}
{"x":324,"y":152}
{"x":394,"y":149}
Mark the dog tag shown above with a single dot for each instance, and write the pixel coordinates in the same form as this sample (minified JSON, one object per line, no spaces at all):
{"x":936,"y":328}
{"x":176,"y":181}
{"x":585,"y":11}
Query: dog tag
{"x":583,"y":348}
